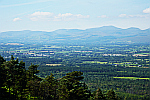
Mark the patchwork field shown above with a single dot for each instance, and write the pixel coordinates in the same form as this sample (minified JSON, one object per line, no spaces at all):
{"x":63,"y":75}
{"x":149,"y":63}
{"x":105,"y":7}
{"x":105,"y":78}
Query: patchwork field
{"x":132,"y":78}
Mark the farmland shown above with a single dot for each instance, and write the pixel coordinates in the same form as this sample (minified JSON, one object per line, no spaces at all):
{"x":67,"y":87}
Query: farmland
{"x":123,"y":67}
{"x":132,"y":78}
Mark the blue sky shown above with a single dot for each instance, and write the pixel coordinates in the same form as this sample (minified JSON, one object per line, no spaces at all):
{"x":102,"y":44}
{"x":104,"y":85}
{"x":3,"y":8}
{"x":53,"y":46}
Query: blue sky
{"x":49,"y":15}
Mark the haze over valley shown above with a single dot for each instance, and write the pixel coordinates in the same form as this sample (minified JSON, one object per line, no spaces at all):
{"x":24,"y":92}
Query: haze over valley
{"x":105,"y":34}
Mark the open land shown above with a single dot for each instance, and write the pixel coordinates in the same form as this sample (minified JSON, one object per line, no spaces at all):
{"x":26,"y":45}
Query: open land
{"x":123,"y":67}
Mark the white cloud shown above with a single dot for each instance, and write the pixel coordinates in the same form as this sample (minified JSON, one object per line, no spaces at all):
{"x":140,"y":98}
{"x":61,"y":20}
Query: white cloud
{"x":42,"y":14}
{"x":122,"y":15}
{"x":138,"y":16}
{"x":65,"y":15}
{"x":131,"y":16}
{"x":69,"y":16}
{"x":16,"y":19}
{"x":146,"y":10}
{"x":103,"y":16}
{"x":34,"y":19}
{"x":52,"y":17}
{"x":81,"y":16}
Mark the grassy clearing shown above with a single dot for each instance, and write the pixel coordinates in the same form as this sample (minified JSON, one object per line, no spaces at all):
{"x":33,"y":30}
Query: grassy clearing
{"x":55,"y":47}
{"x":132,"y":66}
{"x":119,"y":63}
{"x":53,"y":64}
{"x":91,"y":62}
{"x":138,"y":59}
{"x":127,"y":62}
{"x":121,"y":71}
{"x":143,"y":53}
{"x":132,"y":78}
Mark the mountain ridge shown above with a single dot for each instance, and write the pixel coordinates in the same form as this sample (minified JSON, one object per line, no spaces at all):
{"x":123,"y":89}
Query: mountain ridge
{"x":90,"y":35}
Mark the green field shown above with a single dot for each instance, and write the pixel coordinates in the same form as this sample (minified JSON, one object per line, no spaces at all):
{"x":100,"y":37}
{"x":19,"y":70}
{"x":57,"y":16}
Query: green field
{"x":90,"y":62}
{"x":132,"y":78}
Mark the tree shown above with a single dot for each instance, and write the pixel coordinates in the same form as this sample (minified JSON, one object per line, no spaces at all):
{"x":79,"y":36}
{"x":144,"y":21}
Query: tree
{"x":32,"y":70}
{"x":70,"y":87}
{"x":15,"y":77}
{"x":111,"y":95}
{"x":21,"y":79}
{"x":99,"y":95}
{"x":3,"y":94}
{"x":48,"y":88}
{"x":33,"y":81}
{"x":9,"y":67}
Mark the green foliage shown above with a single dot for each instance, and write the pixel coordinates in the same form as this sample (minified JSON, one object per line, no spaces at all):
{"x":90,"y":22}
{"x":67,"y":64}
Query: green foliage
{"x":32,"y":70}
{"x":70,"y":87}
{"x":99,"y":95}
{"x":33,"y":81}
{"x":3,"y":94}
{"x":15,"y":77}
{"x":21,"y":83}
{"x":111,"y":95}
{"x":48,"y":88}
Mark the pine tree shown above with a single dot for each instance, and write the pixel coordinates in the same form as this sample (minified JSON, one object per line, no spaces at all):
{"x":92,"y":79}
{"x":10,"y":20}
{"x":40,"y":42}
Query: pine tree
{"x":32,"y":70}
{"x":3,"y":94}
{"x":33,"y":81}
{"x":15,"y":77}
{"x":99,"y":95}
{"x":9,"y":67}
{"x":48,"y":88}
{"x":70,"y":87}
{"x":21,"y":79}
{"x":111,"y":95}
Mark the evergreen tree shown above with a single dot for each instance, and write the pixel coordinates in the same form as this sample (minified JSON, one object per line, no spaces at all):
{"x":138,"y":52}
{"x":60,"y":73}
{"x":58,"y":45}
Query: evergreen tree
{"x":3,"y":94}
{"x":33,"y":81}
{"x":32,"y":70}
{"x":70,"y":87}
{"x":15,"y":77}
{"x":9,"y":67}
{"x":48,"y":88}
{"x":21,"y":79}
{"x":99,"y":95}
{"x":111,"y":95}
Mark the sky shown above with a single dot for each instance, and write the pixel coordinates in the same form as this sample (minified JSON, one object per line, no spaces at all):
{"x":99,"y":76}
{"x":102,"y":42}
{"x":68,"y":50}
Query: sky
{"x":50,"y":15}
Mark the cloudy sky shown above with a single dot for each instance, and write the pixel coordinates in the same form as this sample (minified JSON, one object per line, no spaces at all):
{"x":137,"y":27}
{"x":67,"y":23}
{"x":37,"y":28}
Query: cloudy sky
{"x":49,"y":15}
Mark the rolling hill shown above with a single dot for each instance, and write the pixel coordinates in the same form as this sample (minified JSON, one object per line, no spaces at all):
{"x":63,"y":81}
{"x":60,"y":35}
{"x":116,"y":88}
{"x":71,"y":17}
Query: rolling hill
{"x":105,"y":34}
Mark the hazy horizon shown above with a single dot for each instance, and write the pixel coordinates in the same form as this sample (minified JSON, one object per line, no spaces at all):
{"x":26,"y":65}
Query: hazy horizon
{"x":75,"y":29}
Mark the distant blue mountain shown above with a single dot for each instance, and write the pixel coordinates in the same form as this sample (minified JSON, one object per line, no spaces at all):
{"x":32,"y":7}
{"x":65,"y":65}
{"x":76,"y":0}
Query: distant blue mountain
{"x":105,"y":34}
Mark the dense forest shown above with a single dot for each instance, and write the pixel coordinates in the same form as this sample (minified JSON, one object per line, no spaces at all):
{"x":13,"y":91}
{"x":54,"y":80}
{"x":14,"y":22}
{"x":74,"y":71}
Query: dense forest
{"x":89,"y":72}
{"x":17,"y":83}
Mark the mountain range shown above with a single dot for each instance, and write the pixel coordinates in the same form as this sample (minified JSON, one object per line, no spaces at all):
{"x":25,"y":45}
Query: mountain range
{"x":105,"y":34}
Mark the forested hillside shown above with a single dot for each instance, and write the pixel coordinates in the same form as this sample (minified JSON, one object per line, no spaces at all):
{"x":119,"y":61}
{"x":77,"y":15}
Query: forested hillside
{"x":17,"y":83}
